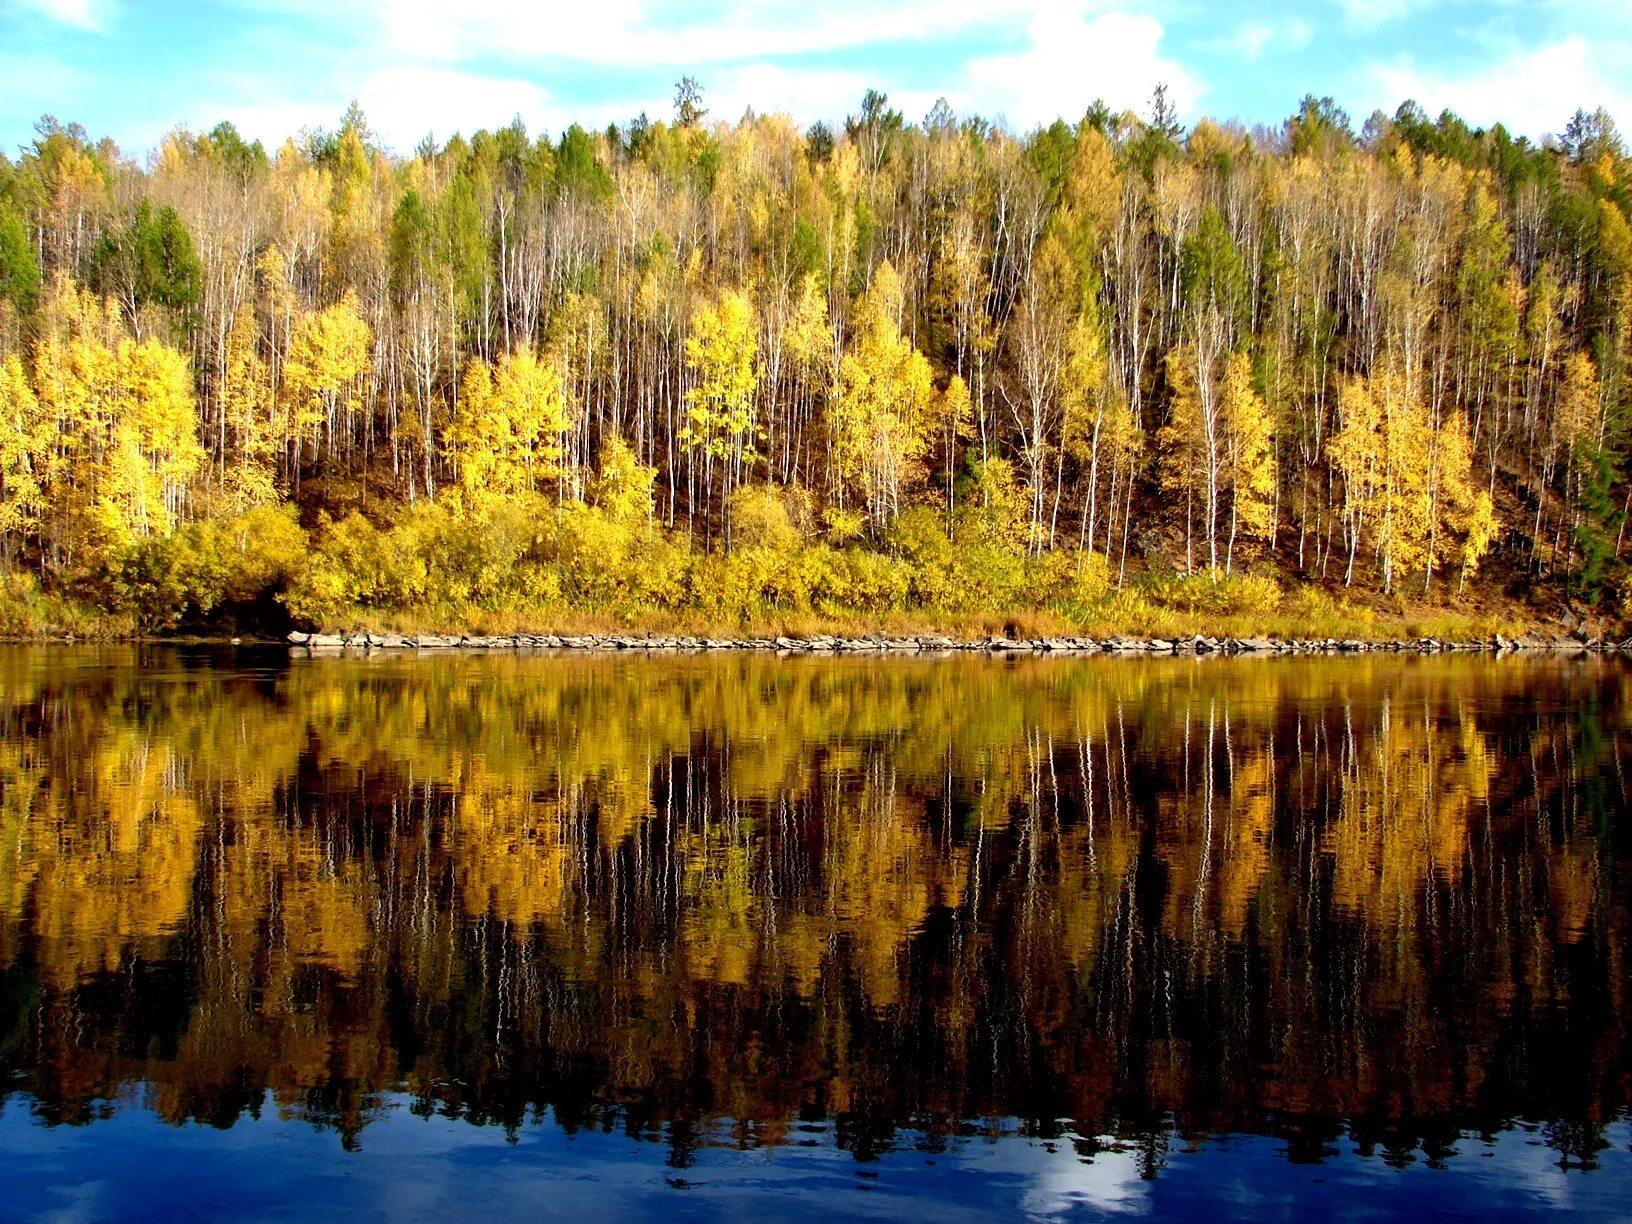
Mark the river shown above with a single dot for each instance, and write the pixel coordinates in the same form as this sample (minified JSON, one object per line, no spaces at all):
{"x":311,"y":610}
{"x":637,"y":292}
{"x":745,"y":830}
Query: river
{"x":733,"y":936}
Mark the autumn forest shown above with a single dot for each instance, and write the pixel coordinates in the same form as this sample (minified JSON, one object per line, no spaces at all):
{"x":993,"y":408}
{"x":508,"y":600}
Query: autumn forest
{"x":1107,"y":371}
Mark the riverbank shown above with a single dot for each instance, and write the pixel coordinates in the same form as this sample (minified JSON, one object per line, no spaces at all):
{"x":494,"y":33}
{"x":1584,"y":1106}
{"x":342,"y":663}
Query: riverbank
{"x":316,"y":643}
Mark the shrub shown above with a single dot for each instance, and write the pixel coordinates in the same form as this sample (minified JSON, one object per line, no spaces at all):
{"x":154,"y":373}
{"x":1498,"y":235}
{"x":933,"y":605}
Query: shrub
{"x":1079,"y":580}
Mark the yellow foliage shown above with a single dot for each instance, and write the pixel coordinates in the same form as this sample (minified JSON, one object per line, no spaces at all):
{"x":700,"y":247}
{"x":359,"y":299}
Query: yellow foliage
{"x":624,"y":487}
{"x":508,"y":430}
{"x":26,"y":443}
{"x":329,"y":354}
{"x":882,"y":403}
{"x":1250,"y":438}
{"x":722,"y":353}
{"x":250,"y":415}
{"x":1408,"y":483}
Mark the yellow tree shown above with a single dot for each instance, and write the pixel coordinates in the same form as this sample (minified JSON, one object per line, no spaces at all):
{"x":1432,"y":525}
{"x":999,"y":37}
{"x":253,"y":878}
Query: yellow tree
{"x":1099,"y":431}
{"x":25,"y":458}
{"x":329,"y":353}
{"x":1383,"y":485}
{"x":153,"y":449}
{"x":123,"y":426}
{"x":1579,"y":419}
{"x":722,"y":358}
{"x":508,"y":427}
{"x":75,"y":383}
{"x":881,"y":404}
{"x":248,"y":417}
{"x":952,"y":410}
{"x":1462,"y":515}
{"x":1249,"y":440}
{"x":1040,"y":339}
{"x":1408,"y":481}
{"x":808,"y":342}
{"x":623,"y":490}
{"x":1189,"y":457}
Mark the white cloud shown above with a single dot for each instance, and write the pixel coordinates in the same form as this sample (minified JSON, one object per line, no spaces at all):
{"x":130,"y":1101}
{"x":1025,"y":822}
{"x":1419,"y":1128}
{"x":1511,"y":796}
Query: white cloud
{"x":411,"y":101}
{"x":638,"y":33}
{"x":86,"y":14}
{"x":1072,"y":60}
{"x":425,"y":65}
{"x":804,"y":93}
{"x":1532,"y":92}
{"x":1256,"y":37}
{"x":403,"y":104}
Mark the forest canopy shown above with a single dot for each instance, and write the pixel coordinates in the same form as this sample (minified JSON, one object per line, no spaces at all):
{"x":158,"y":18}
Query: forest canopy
{"x":744,"y":368}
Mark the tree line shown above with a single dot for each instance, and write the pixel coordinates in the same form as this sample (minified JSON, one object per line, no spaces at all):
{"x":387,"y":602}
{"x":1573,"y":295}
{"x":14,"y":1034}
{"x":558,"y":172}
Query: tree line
{"x":1096,"y":352}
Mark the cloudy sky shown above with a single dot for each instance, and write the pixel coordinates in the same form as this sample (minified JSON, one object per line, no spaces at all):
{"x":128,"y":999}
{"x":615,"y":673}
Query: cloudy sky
{"x":134,"y":69}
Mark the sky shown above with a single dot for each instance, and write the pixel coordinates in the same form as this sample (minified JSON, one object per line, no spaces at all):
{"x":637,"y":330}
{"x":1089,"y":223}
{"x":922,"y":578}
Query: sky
{"x":136,"y":69}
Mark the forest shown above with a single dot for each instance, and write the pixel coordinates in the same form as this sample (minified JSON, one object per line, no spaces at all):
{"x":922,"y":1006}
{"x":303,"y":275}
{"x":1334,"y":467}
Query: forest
{"x":1110,"y":372}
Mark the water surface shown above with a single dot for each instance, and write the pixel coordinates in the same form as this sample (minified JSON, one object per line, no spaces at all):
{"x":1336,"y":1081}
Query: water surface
{"x":739,"y":936}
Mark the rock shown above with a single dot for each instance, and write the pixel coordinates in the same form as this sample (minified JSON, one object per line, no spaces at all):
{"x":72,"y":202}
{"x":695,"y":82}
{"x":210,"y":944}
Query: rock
{"x":325,"y":641}
{"x":434,"y":641}
{"x":297,"y":638}
{"x":1159,"y":646}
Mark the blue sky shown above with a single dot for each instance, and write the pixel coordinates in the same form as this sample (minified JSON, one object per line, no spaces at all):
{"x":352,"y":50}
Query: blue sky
{"x":134,"y":69}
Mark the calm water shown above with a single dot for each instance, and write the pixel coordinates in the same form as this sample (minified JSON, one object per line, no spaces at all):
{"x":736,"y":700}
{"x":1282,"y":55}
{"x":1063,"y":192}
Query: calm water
{"x":506,"y":937}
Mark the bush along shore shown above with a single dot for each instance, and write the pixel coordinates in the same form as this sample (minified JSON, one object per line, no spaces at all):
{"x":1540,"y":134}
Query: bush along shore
{"x":1578,"y":643}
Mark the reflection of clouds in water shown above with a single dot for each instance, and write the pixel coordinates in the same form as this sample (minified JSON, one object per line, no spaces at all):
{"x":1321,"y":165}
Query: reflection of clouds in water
{"x":1108,"y":1182}
{"x":1059,"y":1182}
{"x":1522,"y":1159}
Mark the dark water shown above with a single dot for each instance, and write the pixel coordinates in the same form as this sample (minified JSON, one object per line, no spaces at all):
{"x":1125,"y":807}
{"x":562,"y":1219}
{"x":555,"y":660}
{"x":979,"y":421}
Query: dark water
{"x":619,"y":937}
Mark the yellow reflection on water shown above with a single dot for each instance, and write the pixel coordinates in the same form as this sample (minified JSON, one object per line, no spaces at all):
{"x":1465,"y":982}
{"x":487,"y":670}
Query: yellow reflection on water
{"x":745,"y":886}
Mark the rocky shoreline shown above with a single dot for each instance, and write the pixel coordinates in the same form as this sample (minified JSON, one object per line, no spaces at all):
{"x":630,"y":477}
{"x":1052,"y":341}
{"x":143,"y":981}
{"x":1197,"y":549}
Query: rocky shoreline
{"x":927,"y":644}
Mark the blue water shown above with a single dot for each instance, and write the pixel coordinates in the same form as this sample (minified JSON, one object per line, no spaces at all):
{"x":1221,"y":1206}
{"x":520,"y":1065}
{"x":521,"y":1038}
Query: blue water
{"x":131,"y":1166}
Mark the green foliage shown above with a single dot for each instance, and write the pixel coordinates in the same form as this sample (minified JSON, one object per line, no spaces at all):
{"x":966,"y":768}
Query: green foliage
{"x":1211,"y":266}
{"x":1598,"y":526}
{"x":150,"y":259}
{"x":578,"y":166}
{"x":19,"y":268}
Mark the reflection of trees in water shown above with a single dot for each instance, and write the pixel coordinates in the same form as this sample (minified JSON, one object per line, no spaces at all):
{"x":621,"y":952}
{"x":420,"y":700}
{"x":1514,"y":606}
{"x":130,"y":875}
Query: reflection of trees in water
{"x":1375,"y":898}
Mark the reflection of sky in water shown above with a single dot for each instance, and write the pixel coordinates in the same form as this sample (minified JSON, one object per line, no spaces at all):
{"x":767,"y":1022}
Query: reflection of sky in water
{"x":133,"y":1167}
